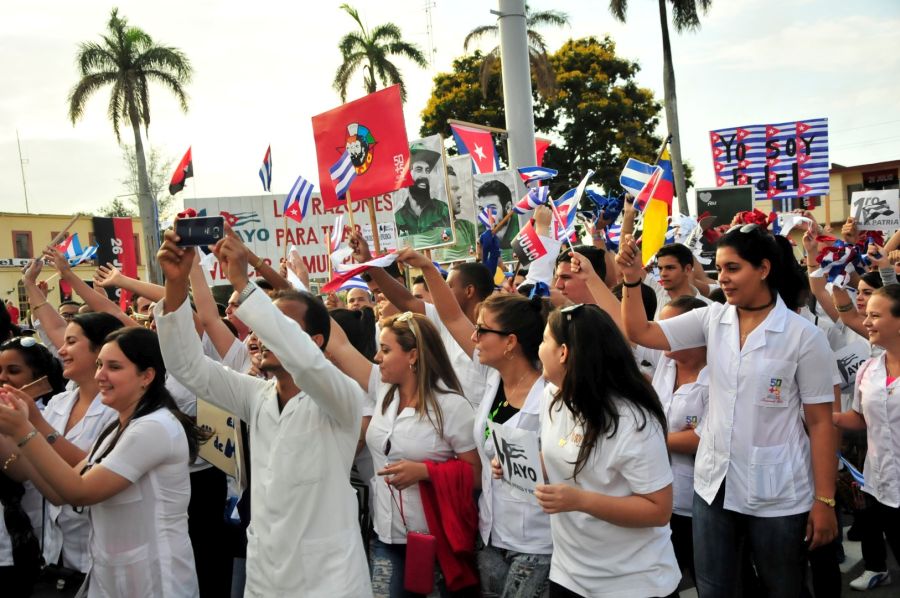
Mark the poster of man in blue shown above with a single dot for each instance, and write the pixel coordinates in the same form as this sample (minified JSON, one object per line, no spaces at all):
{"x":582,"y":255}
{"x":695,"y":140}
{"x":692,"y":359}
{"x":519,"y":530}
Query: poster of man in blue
{"x":782,"y":161}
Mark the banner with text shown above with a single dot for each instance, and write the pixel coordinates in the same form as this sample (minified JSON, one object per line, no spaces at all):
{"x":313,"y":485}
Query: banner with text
{"x":782,"y":161}
{"x":115,"y":239}
{"x":259,"y":222}
{"x":876,"y":210}
{"x":517,"y":451}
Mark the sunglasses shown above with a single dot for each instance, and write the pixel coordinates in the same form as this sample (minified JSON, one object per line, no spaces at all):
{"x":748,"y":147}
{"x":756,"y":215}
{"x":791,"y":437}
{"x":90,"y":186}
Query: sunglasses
{"x":570,"y":311}
{"x":22,"y":341}
{"x":744,"y":228}
{"x":479,"y":330}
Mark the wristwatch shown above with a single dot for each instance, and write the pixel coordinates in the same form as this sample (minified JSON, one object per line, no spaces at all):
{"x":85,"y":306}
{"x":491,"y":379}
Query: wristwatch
{"x":51,"y":438}
{"x":248,"y":290}
{"x":828,"y":501}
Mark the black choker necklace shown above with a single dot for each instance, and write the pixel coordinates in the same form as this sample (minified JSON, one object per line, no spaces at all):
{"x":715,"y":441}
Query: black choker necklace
{"x":759,"y":307}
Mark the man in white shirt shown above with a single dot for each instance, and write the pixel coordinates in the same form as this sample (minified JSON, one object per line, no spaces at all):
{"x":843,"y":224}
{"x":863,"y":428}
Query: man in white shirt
{"x":304,"y":537}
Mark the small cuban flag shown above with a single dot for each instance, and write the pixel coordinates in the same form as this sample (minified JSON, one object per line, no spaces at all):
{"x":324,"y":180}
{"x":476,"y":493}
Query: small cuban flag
{"x":535,"y":197}
{"x":342,"y":174}
{"x":488,"y":217}
{"x":635,"y":175}
{"x":265,"y":172}
{"x":296,"y":203}
{"x":533,"y":175}
{"x":73,"y":252}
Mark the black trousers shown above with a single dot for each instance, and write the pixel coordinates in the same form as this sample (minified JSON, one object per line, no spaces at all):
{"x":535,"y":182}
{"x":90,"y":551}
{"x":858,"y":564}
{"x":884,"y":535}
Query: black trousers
{"x":558,"y":591}
{"x":206,"y":526}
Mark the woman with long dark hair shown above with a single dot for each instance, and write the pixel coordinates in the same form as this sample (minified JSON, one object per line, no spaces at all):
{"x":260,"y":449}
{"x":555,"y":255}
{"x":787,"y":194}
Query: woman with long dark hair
{"x":135,"y":476}
{"x":603,"y":442}
{"x":765,"y":362}
{"x":23,"y":361}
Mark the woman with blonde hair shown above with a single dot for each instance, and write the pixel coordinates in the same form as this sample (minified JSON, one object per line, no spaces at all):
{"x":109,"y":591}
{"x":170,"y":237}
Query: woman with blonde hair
{"x":421,"y":431}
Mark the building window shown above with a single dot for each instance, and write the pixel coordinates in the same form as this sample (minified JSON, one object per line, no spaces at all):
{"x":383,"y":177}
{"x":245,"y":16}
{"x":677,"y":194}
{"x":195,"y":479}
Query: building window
{"x":22,"y":247}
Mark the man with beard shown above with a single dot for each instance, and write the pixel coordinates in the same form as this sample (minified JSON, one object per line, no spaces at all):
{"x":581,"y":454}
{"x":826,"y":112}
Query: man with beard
{"x":422,"y":213}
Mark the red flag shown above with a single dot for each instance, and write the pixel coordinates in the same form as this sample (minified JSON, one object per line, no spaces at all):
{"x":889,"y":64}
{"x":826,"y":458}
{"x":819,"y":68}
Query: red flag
{"x":540,"y":147}
{"x":184,"y":171}
{"x":373,"y":131}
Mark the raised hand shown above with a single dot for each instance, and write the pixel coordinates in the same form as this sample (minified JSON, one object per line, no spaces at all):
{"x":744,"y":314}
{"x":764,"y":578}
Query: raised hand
{"x":849,"y":231}
{"x":580,"y":266}
{"x":629,"y":259}
{"x":877,"y":256}
{"x":360,"y":247}
{"x":175,"y":261}
{"x":33,"y":270}
{"x":107,"y":276}
{"x":234,"y":258}
{"x":58,"y":259}
{"x":14,"y":412}
{"x":411,"y":257}
{"x":810,"y":246}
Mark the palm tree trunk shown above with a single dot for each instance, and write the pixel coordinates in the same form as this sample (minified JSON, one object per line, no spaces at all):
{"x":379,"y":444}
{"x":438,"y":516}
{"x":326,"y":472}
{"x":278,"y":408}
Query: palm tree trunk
{"x":672,"y":111}
{"x":149,"y":221}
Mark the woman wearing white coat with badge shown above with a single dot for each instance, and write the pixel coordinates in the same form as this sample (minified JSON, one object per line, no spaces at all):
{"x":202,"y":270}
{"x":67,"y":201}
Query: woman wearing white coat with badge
{"x":876,"y":409}
{"x":765,"y":363}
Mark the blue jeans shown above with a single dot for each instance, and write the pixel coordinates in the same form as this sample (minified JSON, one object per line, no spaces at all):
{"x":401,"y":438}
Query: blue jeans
{"x":776,"y":546}
{"x":510,"y":574}
{"x":388,"y":565}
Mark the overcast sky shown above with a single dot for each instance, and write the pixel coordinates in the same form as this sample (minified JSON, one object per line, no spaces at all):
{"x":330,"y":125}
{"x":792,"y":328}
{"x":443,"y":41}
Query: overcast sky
{"x":262,"y":70}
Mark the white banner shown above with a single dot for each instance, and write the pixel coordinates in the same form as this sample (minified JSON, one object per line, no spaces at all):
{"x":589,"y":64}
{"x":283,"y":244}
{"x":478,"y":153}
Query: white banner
{"x":519,"y":457}
{"x":876,"y":210}
{"x":259,"y":222}
{"x":849,"y":359}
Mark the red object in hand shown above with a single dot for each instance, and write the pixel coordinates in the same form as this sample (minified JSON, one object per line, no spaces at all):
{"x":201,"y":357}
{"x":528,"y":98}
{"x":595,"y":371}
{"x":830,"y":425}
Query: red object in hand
{"x":188,"y":213}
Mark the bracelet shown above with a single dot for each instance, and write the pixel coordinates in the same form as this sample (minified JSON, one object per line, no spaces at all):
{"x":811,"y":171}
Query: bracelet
{"x":27,"y":437}
{"x":631,"y":285}
{"x":824,"y":500}
{"x":39,"y":305}
{"x":10,"y":460}
{"x":259,"y":263}
{"x":844,"y":308}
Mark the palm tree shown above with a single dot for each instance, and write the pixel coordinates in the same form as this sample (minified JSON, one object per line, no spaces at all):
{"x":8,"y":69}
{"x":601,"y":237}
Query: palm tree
{"x":128,"y":59}
{"x":685,"y":17}
{"x":544,"y":75}
{"x":371,"y":51}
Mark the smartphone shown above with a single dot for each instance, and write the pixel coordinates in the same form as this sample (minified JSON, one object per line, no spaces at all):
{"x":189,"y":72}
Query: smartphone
{"x":199,"y":231}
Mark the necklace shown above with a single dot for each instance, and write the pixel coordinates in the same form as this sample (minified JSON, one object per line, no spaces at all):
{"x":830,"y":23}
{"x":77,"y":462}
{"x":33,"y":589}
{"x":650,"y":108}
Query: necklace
{"x":758,"y":307}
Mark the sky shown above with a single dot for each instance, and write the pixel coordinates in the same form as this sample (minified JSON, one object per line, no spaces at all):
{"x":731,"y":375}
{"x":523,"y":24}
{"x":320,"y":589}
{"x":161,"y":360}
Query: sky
{"x":263,"y":70}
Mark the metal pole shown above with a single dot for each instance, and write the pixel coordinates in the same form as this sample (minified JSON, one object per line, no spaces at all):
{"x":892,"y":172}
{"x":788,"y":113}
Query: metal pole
{"x":516,"y":83}
{"x":22,"y":167}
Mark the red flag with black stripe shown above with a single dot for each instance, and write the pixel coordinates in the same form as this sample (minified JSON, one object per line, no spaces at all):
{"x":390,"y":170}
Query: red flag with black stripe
{"x":115,"y":240}
{"x":184,"y":171}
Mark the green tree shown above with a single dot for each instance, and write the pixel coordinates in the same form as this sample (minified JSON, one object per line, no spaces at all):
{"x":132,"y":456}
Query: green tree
{"x":685,"y":17}
{"x":117,"y":209}
{"x":128,"y":59}
{"x":542,"y":73}
{"x":371,"y":52}
{"x":598,"y":118}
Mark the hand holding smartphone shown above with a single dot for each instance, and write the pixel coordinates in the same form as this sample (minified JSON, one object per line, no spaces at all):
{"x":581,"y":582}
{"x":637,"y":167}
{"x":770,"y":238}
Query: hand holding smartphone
{"x":194,"y":232}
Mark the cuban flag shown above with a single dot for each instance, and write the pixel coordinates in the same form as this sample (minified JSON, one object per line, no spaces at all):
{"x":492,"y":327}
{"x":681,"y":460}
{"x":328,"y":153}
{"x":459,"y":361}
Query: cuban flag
{"x":478,"y":143}
{"x":488,"y":217}
{"x":613,"y":234}
{"x":536,"y":196}
{"x":356,"y":282}
{"x":566,"y":208}
{"x":265,"y":172}
{"x":337,"y":234}
{"x":533,"y":175}
{"x":342,"y":173}
{"x":635,"y":175}
{"x":297,"y":201}
{"x":73,"y":252}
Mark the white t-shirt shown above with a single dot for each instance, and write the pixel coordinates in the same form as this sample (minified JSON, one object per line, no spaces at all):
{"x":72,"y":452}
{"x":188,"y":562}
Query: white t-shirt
{"x":684,"y":407}
{"x":471,"y":381}
{"x":753,"y":431}
{"x":879,"y":404}
{"x":67,"y":531}
{"x":593,"y":557}
{"x":662,"y":295}
{"x":139,"y":539}
{"x":412,"y":438}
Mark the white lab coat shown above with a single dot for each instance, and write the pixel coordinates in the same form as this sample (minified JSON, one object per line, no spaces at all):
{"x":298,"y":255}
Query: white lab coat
{"x":304,"y":537}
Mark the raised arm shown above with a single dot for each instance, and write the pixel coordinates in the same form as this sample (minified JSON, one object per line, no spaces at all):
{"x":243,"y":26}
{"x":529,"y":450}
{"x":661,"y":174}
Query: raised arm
{"x":269,"y":273}
{"x":846,"y":309}
{"x":393,"y":291}
{"x":109,"y":276}
{"x":96,"y":301}
{"x":444,"y":300}
{"x":582,"y":268}
{"x":334,"y":392}
{"x":53,"y":324}
{"x":634,"y":317}
{"x":345,"y":356}
{"x":207,"y":311}
{"x":817,"y":282}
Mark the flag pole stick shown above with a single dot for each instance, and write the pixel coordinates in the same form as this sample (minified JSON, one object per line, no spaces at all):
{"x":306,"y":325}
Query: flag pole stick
{"x":350,"y":211}
{"x":500,"y":224}
{"x":562,"y":224}
{"x":64,"y":232}
{"x":284,"y":257}
{"x":373,"y":222}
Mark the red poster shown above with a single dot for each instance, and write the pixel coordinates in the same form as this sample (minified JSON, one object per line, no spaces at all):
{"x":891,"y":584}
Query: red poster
{"x":115,"y":245}
{"x":372,"y":130}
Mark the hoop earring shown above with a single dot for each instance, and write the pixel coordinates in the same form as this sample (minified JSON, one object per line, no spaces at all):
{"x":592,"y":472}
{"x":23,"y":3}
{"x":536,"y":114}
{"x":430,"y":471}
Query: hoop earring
{"x":508,"y":355}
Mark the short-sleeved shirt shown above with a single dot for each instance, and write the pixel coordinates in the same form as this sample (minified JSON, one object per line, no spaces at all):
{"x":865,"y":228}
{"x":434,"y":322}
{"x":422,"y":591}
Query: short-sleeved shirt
{"x":471,"y":380}
{"x":753,"y":432}
{"x":393,"y":437}
{"x":139,"y":539}
{"x":593,"y":557}
{"x":879,"y":404}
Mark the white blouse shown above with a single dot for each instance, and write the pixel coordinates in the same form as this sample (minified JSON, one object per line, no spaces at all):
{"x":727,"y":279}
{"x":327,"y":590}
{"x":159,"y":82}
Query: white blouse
{"x":139,"y":539}
{"x":684,"y":407}
{"x":393,"y":437}
{"x":593,"y":557}
{"x":879,"y":404}
{"x":67,"y":532}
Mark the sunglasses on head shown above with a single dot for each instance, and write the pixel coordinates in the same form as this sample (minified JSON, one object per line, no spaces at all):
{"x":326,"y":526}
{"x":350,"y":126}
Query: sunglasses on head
{"x":743,"y":228}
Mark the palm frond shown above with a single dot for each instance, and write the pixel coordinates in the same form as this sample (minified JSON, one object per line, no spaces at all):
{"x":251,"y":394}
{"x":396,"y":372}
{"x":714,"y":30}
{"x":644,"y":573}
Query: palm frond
{"x":354,"y":14}
{"x":685,"y":15}
{"x":487,"y":67}
{"x":619,"y":9}
{"x":544,"y":75}
{"x":536,"y":41}
{"x":115,"y":110}
{"x":86,"y":87}
{"x":172,"y":83}
{"x":409,"y":51}
{"x":479,"y":32}
{"x":387,"y":32}
{"x":93,"y":57}
{"x":142,"y":100}
{"x":162,"y":58}
{"x":547,"y":17}
{"x":352,"y":42}
{"x":393,"y":78}
{"x":345,"y":72}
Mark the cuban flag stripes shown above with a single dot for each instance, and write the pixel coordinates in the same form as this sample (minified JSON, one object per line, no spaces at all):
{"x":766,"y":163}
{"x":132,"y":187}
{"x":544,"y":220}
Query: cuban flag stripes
{"x":296,"y":203}
{"x":265,"y":172}
{"x":635,"y":175}
{"x":566,"y":208}
{"x":479,"y":143}
{"x":73,"y":252}
{"x":536,"y":196}
{"x":342,"y":173}
{"x":488,"y":217}
{"x":356,"y":282}
{"x":613,"y":234}
{"x":533,"y":175}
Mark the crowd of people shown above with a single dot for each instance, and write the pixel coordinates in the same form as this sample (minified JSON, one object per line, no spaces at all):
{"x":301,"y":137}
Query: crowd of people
{"x":688,"y":426}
